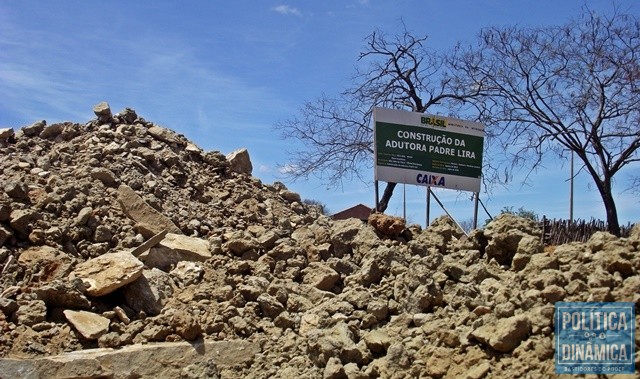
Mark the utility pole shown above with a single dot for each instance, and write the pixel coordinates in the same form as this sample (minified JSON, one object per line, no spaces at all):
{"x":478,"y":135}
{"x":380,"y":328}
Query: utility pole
{"x":571,"y":192}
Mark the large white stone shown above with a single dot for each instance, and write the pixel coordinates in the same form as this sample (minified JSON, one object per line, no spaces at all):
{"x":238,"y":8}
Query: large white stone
{"x":240,"y":162}
{"x":108,"y":272}
{"x":89,"y":324}
{"x":156,"y":360}
{"x":175,"y":248}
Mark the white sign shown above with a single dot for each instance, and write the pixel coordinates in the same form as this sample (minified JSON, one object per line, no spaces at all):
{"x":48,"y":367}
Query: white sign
{"x":421,"y":149}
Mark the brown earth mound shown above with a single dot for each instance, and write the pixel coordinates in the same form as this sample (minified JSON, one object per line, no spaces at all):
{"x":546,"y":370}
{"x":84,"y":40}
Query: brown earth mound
{"x":128,"y":252}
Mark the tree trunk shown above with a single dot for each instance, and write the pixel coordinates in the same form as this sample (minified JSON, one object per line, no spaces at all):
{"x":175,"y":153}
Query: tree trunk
{"x":386,"y":196}
{"x":604,"y":187}
{"x":612,"y":214}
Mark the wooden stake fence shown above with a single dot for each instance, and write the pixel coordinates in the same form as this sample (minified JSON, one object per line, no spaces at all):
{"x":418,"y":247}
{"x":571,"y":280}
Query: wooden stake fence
{"x":557,"y":232}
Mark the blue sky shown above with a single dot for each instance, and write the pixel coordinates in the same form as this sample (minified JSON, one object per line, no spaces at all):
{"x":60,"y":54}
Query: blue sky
{"x":224,"y":72}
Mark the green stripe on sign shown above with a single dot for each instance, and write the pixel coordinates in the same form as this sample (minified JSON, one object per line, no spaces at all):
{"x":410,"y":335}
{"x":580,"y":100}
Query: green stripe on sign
{"x":425,"y":149}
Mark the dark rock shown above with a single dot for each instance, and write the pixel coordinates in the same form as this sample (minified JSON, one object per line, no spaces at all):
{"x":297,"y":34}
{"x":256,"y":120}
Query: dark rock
{"x":34,"y":129}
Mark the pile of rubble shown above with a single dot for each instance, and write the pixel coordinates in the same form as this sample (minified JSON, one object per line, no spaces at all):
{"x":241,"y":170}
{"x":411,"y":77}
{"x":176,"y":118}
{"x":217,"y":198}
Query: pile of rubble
{"x":127,"y":251}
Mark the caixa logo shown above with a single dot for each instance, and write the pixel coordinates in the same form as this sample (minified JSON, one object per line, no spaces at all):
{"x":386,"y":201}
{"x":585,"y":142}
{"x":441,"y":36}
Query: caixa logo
{"x":430,"y":180}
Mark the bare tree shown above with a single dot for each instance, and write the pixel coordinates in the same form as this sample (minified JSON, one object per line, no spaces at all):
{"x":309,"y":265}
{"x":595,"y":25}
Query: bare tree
{"x":336,"y":134}
{"x":572,"y":88}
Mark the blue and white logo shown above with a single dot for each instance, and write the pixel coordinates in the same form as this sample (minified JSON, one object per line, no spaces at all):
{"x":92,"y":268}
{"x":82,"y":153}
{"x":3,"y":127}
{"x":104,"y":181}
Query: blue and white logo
{"x":594,"y":338}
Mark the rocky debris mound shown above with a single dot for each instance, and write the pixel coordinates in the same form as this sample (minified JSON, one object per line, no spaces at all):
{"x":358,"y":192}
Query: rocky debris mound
{"x":123,"y":235}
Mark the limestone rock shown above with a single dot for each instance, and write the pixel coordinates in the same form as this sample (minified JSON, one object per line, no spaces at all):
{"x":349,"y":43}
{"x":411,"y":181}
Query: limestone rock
{"x":290,"y":196}
{"x":334,"y":369}
{"x":369,"y":273}
{"x":141,"y":361}
{"x":175,"y":248}
{"x":6,"y":133}
{"x":343,"y":233}
{"x":270,"y":306}
{"x":17,"y":190}
{"x":423,"y":298}
{"x":102,"y":234}
{"x":103,"y":112}
{"x":446,"y":227}
{"x":64,"y":294}
{"x":386,"y":225}
{"x":320,"y":276}
{"x":46,"y":263}
{"x":267,"y":240}
{"x":138,"y":210}
{"x":149,"y":292}
{"x":527,"y":246}
{"x":540,"y":262}
{"x":8,"y":306}
{"x":90,"y":325}
{"x":567,"y":254}
{"x":439,"y":363}
{"x":240,"y":243}
{"x":34,"y":129}
{"x":478,"y":372}
{"x":377,"y":341}
{"x":554,"y":293}
{"x":52,"y":131}
{"x":240,"y":162}
{"x":615,"y":260}
{"x":337,"y":342}
{"x":5,"y":234}
{"x":187,"y":273}
{"x":22,"y":221}
{"x":106,"y":176}
{"x":630,"y":290}
{"x":378,"y":309}
{"x":600,"y":240}
{"x":504,"y":234}
{"x":127,"y":116}
{"x":186,"y":325}
{"x":108,"y":272}
{"x":83,"y":216}
{"x":165,"y":135}
{"x":505,"y":335}
{"x":31,"y":312}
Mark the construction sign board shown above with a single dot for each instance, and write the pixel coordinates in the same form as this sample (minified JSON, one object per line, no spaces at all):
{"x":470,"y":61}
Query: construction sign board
{"x":421,"y":149}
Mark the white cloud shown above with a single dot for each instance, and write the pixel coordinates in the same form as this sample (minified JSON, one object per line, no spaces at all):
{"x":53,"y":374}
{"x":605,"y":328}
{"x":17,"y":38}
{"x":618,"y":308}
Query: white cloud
{"x":286,"y":10}
{"x":288,"y":169}
{"x":264,"y":168}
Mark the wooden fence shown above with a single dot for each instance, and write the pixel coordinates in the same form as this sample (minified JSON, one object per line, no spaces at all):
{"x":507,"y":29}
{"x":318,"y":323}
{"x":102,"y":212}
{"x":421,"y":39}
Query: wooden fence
{"x":557,"y":232}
